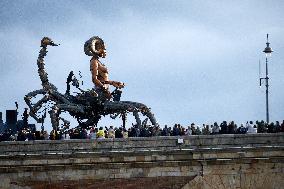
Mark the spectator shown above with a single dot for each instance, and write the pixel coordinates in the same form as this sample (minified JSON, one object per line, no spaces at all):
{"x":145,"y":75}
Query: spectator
{"x":277,"y":127}
{"x":84,"y":134}
{"x":224,"y":128}
{"x":132,"y":132}
{"x":52,"y":135}
{"x":156,"y":131}
{"x":118,"y":133}
{"x":242,"y":129}
{"x":261,"y":127}
{"x":144,"y":132}
{"x":231,"y":127}
{"x":188,"y":131}
{"x":193,"y":129}
{"x":30,"y":135}
{"x":282,"y":126}
{"x":250,"y":128}
{"x":215,"y":128}
{"x":45,"y":135}
{"x":205,"y":130}
{"x":124,"y":133}
{"x":66,"y":136}
{"x":176,"y":130}
{"x":271,"y":128}
{"x":110,"y":132}
{"x":180,"y":130}
{"x":75,"y":134}
{"x":106,"y":132}
{"x":21,"y":135}
{"x":137,"y":130}
{"x":165,"y":131}
{"x":38,"y":135}
{"x":101,"y":133}
{"x":93,"y":133}
{"x":197,"y":130}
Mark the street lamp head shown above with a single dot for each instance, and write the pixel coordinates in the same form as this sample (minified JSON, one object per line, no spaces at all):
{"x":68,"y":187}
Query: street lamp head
{"x":268,"y":50}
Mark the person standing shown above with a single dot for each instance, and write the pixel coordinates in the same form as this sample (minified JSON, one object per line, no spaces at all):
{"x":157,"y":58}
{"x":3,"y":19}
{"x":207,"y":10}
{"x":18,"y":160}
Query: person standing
{"x":101,"y":133}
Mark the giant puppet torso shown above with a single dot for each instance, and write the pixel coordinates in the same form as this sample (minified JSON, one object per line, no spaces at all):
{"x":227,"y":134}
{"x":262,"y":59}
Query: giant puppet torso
{"x":99,"y":71}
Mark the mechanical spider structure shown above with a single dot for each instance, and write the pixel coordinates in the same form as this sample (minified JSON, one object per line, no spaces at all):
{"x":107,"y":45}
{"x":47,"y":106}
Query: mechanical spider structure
{"x":86,"y":106}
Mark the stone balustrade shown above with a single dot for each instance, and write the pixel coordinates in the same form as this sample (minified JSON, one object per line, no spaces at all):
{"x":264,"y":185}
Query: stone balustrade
{"x":204,"y":161}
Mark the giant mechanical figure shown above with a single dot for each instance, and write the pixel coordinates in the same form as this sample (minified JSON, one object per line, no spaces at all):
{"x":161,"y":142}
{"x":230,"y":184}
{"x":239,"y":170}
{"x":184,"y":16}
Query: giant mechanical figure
{"x":87,"y":106}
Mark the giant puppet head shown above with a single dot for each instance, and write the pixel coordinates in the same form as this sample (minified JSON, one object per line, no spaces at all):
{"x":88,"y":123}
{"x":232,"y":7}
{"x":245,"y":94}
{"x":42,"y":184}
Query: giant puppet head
{"x":95,"y":47}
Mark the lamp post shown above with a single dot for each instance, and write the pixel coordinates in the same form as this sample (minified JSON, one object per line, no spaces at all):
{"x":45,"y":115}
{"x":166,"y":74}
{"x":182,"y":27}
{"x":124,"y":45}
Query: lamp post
{"x":267,"y":52}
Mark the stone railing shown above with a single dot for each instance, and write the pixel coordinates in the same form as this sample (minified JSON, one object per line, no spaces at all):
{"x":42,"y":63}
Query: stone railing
{"x":195,"y":162}
{"x":196,"y":142}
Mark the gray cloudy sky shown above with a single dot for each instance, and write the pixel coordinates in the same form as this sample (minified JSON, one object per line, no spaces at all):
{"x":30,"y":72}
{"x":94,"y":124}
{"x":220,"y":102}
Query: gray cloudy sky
{"x":190,"y":61}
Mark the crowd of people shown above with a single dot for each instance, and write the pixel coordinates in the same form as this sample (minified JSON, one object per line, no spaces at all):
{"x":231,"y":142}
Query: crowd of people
{"x":145,"y":131}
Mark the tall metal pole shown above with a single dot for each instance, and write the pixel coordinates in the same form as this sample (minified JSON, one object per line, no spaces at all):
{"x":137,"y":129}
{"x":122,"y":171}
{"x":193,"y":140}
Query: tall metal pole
{"x":267,"y":52}
{"x":266,"y":79}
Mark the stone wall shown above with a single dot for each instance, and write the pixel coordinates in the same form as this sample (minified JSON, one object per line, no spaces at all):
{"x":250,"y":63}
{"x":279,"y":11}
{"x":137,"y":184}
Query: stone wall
{"x":211,"y":161}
